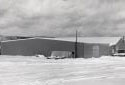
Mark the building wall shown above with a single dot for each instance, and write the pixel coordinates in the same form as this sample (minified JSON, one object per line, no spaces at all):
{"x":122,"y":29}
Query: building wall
{"x":89,"y":50}
{"x":30,"y":47}
{"x":120,"y":44}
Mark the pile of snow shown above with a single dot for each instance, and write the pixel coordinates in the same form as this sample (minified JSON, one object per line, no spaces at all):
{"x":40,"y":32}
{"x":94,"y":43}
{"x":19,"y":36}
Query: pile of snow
{"x":41,"y":56}
{"x":32,"y":70}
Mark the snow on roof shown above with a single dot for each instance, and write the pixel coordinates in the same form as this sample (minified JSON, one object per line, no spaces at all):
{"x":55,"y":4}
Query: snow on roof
{"x":101,"y":40}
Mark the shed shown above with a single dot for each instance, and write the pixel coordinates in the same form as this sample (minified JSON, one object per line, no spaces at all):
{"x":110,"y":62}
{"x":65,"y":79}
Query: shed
{"x":119,"y":47}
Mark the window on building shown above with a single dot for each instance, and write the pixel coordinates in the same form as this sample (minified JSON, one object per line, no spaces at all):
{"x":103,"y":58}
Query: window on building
{"x":121,"y":51}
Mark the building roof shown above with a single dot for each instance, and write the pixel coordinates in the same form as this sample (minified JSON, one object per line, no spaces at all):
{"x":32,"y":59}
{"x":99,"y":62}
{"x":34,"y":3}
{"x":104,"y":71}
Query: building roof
{"x":96,"y":40}
{"x":100,"y":40}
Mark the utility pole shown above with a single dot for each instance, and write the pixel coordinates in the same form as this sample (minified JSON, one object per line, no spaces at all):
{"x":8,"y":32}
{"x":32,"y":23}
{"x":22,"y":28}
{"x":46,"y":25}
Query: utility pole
{"x":123,"y":39}
{"x":76,"y":42}
{"x":123,"y":43}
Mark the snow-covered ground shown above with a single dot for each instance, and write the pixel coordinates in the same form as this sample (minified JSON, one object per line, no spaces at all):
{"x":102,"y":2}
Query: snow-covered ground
{"x":30,"y":70}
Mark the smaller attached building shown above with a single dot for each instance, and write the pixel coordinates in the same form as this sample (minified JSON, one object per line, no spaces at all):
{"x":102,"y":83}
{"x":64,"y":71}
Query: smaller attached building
{"x":119,"y":47}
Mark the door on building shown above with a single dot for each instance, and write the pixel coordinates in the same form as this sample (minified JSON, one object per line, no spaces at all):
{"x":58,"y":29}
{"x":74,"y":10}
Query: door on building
{"x":96,"y":51}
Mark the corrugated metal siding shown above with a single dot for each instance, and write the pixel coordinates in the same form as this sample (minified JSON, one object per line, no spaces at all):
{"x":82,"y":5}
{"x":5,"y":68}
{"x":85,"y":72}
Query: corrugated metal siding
{"x":32,"y":47}
{"x":104,"y":49}
{"x":36,"y":46}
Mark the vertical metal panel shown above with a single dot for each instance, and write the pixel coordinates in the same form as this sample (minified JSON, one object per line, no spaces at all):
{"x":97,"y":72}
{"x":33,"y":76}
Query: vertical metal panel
{"x":95,"y":51}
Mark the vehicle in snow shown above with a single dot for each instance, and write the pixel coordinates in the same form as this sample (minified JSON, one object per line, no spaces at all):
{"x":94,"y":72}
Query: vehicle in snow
{"x":61,"y":55}
{"x":119,"y":53}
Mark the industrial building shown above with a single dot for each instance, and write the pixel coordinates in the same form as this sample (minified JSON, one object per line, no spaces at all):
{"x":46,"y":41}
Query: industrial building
{"x":45,"y":46}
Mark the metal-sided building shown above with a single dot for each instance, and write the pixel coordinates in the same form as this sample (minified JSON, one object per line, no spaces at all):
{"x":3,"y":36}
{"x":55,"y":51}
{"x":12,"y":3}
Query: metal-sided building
{"x":119,"y":47}
{"x":44,"y":46}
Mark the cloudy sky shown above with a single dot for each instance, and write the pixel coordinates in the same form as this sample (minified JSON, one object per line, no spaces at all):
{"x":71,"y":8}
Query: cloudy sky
{"x":62,"y":17}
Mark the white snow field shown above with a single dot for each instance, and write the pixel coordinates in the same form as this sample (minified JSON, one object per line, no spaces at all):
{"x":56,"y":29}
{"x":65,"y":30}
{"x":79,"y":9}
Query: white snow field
{"x":30,"y":70}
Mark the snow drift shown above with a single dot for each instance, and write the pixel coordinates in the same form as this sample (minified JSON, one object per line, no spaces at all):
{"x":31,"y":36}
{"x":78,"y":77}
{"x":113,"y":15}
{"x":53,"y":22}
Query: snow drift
{"x":31,"y":70}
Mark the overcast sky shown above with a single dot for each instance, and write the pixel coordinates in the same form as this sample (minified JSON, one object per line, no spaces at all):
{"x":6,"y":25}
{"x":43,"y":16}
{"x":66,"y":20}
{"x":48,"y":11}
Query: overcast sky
{"x":62,"y":17}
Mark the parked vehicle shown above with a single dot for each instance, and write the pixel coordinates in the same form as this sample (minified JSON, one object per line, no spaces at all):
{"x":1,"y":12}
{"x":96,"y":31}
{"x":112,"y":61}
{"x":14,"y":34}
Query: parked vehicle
{"x":60,"y":55}
{"x":119,"y":53}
